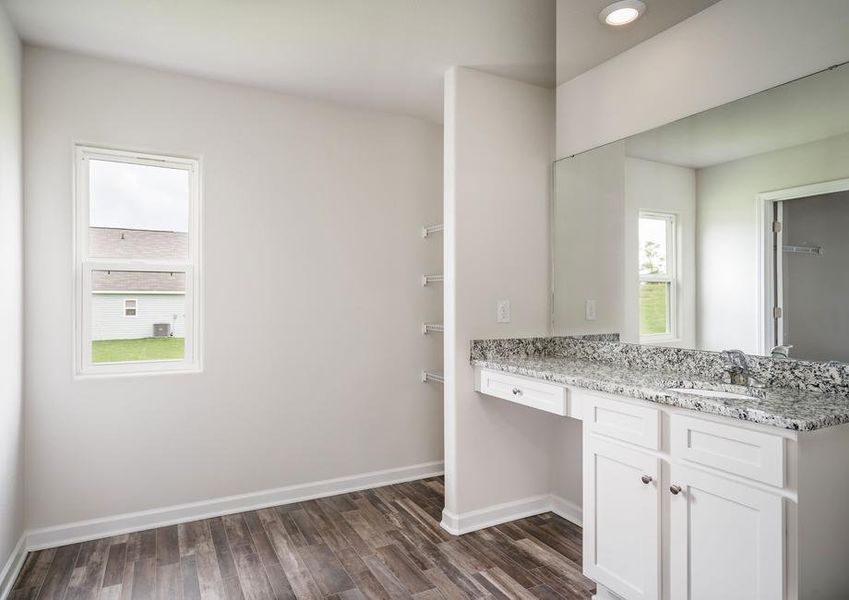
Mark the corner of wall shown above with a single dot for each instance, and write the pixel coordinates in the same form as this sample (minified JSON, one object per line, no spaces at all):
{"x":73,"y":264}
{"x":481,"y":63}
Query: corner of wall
{"x":12,"y":506}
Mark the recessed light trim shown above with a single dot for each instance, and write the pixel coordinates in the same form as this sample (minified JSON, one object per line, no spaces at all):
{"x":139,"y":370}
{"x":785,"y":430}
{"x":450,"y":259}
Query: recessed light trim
{"x":622,"y":13}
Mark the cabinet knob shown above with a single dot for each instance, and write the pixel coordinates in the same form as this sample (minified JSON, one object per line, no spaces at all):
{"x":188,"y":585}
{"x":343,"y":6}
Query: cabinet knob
{"x":517,"y":392}
{"x":675,"y":489}
{"x":646,"y":479}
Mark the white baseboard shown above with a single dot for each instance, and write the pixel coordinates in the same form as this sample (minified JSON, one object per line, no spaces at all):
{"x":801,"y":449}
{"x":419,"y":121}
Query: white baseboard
{"x":568,"y":510}
{"x":12,"y":567}
{"x":81,"y":531}
{"x":510,"y":511}
{"x":602,"y":593}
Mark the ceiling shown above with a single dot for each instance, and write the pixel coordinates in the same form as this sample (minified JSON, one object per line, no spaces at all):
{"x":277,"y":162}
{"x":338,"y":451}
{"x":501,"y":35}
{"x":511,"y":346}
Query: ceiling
{"x":584,"y":42}
{"x":387,"y":55}
{"x":803,"y":111}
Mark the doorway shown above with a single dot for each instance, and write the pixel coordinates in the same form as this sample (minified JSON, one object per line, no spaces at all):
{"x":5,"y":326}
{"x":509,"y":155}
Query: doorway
{"x":807,"y":272}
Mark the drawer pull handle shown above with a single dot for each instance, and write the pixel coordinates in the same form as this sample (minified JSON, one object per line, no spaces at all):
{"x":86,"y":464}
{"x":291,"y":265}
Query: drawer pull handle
{"x":517,"y":392}
{"x":646,"y":479}
{"x":675,"y":489}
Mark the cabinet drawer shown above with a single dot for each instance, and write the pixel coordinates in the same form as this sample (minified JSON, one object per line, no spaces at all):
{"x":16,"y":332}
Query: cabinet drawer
{"x":527,"y":392}
{"x":737,"y":450}
{"x":626,"y":421}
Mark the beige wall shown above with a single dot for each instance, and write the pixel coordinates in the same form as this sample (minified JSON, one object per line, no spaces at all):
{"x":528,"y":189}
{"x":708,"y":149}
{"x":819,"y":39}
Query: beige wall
{"x":312,"y":210}
{"x":499,"y":138}
{"x":11,"y":286}
{"x":729,"y":50}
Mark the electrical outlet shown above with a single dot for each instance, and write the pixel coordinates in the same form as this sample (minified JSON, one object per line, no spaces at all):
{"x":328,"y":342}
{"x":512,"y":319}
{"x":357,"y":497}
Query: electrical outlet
{"x":502,"y":311}
{"x":590,"y":310}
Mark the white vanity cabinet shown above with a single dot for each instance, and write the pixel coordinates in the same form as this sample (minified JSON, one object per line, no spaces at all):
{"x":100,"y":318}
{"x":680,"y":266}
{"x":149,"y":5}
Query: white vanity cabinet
{"x":693,"y":486}
{"x":622,"y":545}
{"x":683,"y":505}
{"x":726,"y":539}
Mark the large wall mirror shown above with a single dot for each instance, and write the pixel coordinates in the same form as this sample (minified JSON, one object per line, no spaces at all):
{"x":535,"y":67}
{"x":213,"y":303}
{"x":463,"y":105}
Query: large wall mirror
{"x":727,"y":229}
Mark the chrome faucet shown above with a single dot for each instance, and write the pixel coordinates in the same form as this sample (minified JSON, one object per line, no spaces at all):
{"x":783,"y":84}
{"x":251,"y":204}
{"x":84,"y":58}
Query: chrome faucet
{"x":782,"y":351}
{"x":737,"y":367}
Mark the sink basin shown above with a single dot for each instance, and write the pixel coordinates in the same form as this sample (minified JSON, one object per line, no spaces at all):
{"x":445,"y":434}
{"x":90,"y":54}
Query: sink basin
{"x":712,"y":393}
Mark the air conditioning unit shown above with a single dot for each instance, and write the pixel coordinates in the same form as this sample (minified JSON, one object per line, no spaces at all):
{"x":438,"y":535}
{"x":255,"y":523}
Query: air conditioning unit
{"x":161,"y":329}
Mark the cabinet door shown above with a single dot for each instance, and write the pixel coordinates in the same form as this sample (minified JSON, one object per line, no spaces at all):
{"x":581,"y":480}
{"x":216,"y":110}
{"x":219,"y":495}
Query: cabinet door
{"x":621,"y":518}
{"x":727,"y":539}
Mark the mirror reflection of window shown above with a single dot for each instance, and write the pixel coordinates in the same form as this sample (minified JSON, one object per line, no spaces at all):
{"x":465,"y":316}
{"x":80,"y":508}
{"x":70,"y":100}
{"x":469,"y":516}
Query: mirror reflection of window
{"x":733,"y":279}
{"x":657,"y":275}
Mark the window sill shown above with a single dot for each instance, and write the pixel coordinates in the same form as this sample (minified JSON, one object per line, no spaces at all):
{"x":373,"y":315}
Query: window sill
{"x":83,"y":376}
{"x":658,"y":341}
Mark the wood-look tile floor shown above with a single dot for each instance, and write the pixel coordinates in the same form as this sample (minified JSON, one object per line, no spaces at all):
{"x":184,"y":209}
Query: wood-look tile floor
{"x":381,"y":543}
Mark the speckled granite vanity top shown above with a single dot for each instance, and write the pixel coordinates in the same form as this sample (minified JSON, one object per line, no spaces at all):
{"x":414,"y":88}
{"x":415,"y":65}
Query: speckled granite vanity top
{"x":801,"y":405}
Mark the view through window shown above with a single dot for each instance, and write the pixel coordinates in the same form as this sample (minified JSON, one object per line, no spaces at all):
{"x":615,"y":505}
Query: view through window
{"x":137,"y":251}
{"x":657,"y":275}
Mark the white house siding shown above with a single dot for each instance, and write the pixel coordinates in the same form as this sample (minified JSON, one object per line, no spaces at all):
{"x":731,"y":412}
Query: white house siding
{"x":109,"y":323}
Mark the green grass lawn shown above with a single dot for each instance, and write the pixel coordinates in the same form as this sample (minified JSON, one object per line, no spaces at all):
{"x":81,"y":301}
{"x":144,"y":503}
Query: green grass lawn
{"x":653,"y":308}
{"x":159,"y":348}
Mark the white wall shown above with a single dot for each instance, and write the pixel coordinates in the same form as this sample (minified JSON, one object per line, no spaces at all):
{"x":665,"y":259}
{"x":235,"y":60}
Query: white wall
{"x":11,"y":286}
{"x":729,"y":50}
{"x":651,"y":185}
{"x":499,"y":138}
{"x":727,"y":210}
{"x":598,"y":196}
{"x":108,"y":321}
{"x":588,"y":250}
{"x":311,"y":209}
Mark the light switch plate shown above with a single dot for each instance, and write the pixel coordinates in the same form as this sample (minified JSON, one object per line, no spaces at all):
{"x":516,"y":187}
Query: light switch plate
{"x":502,"y":311}
{"x":590,"y":310}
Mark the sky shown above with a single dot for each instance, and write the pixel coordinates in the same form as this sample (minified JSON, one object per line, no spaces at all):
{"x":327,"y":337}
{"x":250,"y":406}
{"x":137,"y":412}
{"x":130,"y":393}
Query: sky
{"x":653,"y":230}
{"x":129,"y":196}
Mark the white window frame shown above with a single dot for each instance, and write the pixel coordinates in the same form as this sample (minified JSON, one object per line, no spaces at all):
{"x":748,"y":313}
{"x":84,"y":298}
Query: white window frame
{"x":135,"y":307}
{"x":84,"y":265}
{"x":671,"y":276}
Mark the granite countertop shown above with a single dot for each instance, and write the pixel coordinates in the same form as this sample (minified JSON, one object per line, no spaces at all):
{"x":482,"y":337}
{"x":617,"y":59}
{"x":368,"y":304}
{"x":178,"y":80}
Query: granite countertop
{"x":787,"y":408}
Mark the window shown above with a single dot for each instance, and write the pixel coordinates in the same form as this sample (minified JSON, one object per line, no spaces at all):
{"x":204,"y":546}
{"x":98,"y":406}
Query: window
{"x":658,"y":287}
{"x":137,"y":243}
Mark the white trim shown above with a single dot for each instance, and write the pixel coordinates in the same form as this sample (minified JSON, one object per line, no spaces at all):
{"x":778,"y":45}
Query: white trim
{"x":510,"y":511}
{"x":672,"y":276}
{"x":13,"y":566}
{"x":134,"y":308}
{"x":778,"y":280}
{"x":602,"y":593}
{"x":71,"y":533}
{"x":138,"y":293}
{"x":83,"y":265}
{"x":804,"y":191}
{"x":764,"y":255}
{"x":568,"y":510}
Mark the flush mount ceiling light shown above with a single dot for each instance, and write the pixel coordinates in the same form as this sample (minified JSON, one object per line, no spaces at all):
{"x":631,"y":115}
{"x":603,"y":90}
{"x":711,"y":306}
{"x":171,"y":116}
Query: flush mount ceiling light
{"x":622,"y":13}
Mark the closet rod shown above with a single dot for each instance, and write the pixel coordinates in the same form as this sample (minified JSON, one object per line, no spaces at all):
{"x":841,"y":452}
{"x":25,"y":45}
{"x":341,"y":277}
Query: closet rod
{"x":804,"y":250}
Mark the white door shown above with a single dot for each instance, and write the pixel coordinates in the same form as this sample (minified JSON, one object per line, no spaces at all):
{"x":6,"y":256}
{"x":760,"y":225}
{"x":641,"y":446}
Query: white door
{"x":726,"y":539}
{"x":621,"y":518}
